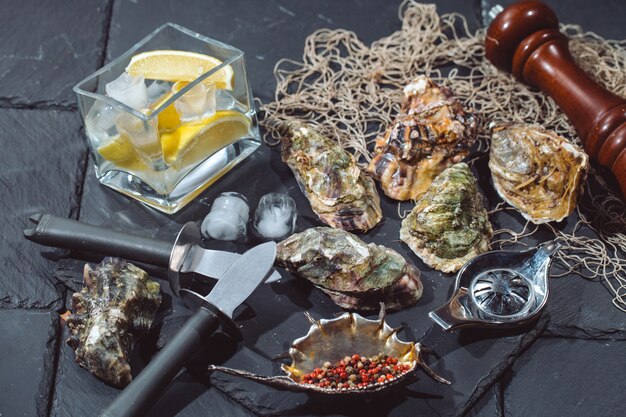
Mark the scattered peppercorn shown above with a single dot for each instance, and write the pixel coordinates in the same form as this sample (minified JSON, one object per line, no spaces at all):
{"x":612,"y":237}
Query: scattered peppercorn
{"x":356,"y":372}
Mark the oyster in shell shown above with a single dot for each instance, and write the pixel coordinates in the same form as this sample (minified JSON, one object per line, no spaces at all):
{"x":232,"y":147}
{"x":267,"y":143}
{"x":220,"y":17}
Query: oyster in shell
{"x":116,"y":306}
{"x":449,"y":224}
{"x":333,"y":339}
{"x":354,"y":274}
{"x":536,"y":171}
{"x":432,"y":132}
{"x":339,"y":192}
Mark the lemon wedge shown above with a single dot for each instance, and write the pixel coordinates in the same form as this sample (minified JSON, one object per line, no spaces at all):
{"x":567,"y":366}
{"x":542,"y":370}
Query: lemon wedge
{"x":121,"y":152}
{"x":168,"y":65}
{"x":192,"y":142}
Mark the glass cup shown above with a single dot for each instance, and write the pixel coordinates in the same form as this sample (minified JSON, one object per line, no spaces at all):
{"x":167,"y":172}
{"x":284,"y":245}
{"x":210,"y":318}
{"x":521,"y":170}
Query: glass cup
{"x":164,"y":142}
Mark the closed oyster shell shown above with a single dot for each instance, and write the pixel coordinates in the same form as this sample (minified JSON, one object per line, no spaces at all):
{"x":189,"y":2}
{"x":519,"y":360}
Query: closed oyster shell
{"x":432,"y":132}
{"x":354,"y":274}
{"x":339,"y":192}
{"x":536,"y":171}
{"x":116,"y":306}
{"x":449,"y":224}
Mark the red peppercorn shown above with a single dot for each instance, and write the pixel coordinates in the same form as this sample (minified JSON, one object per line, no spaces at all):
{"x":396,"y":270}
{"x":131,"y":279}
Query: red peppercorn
{"x":389,"y":377}
{"x":355,"y":357}
{"x":381,"y":379}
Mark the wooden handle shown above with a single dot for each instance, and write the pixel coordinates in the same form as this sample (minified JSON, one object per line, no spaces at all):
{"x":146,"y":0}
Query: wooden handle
{"x":524,"y":39}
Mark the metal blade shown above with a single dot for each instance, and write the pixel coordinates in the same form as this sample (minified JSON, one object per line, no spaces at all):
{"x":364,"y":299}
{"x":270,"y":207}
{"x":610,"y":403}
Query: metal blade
{"x":213,"y":263}
{"x":241,"y":279}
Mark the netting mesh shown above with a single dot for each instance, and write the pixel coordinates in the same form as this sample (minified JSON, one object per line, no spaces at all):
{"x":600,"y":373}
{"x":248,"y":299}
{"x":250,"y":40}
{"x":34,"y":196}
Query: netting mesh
{"x":352,"y":92}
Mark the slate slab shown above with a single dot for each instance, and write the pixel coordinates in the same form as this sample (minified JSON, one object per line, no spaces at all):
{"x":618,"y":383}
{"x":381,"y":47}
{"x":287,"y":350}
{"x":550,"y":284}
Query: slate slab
{"x":28,"y":345}
{"x":266,"y":31}
{"x":273,"y":315}
{"x":568,"y":377}
{"x":489,"y":405}
{"x":78,"y":393}
{"x":40,"y":171}
{"x":47,"y":47}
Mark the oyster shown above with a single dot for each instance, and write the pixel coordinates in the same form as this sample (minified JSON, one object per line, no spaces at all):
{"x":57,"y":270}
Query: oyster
{"x":536,"y":171}
{"x":431,"y":133}
{"x":354,"y":274}
{"x":330,"y":341}
{"x":116,"y":306}
{"x":449,"y":224}
{"x":339,"y":192}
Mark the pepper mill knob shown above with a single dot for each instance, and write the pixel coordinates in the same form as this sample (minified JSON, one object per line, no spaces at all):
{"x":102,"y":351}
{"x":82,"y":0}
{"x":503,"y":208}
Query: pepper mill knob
{"x":524,"y":39}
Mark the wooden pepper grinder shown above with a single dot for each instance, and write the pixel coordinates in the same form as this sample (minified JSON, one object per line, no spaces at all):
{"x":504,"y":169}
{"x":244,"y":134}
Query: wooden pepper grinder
{"x":525,"y":39}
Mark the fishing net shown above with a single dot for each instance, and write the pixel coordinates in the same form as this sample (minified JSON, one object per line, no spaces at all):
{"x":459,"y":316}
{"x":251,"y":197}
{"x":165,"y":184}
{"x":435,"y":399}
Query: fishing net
{"x":352,"y":92}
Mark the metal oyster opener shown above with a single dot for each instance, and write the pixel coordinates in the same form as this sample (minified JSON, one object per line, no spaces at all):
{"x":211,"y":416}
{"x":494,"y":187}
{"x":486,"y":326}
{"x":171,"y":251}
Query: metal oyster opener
{"x":232,"y":289}
{"x":499,"y":289}
{"x":182,"y":258}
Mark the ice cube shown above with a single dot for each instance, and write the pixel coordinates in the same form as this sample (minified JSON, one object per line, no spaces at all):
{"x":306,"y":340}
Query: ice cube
{"x":100,"y":122}
{"x":156,"y":90}
{"x":129,"y":90}
{"x":197,"y":103}
{"x":227,"y":219}
{"x":144,"y":136}
{"x":275,"y":216}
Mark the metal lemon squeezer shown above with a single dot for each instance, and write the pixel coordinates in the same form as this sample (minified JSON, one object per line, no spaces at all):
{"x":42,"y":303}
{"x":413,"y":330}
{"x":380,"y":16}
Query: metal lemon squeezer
{"x":499,"y":289}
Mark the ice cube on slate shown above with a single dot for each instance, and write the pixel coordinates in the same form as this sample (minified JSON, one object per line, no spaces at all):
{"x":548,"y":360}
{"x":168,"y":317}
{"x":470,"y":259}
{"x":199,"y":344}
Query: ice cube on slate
{"x":275,"y":216}
{"x":197,"y":103}
{"x":228,"y":218}
{"x":129,"y":90}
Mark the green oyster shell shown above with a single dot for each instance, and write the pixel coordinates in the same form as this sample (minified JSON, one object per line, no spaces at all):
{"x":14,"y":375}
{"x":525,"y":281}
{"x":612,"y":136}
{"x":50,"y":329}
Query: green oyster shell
{"x":339,"y":192}
{"x":354,"y":274}
{"x":449,"y":224}
{"x":116,"y":306}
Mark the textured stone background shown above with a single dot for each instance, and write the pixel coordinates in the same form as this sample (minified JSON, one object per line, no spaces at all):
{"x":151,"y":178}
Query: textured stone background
{"x":570,"y":362}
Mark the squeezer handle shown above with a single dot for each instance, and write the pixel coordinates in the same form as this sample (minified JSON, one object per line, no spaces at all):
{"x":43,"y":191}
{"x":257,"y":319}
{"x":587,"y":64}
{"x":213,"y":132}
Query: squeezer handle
{"x":71,"y":234}
{"x":525,"y":39}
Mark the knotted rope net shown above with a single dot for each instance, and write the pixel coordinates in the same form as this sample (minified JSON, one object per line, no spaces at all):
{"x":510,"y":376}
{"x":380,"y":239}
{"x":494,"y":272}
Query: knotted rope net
{"x":352,"y":92}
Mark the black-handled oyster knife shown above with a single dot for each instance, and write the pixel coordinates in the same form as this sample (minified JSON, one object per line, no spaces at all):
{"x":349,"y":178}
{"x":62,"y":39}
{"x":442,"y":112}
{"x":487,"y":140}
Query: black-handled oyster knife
{"x":182,"y":257}
{"x":232,"y":289}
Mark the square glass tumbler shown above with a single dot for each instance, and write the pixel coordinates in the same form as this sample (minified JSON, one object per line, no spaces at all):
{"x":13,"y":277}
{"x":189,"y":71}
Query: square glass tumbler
{"x":161,"y":140}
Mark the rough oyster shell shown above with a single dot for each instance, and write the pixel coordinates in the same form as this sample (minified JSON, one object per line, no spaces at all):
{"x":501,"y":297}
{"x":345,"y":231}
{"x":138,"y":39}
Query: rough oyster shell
{"x":449,"y":224}
{"x":432,"y":132}
{"x":354,"y":274}
{"x":536,"y":171}
{"x":331,"y":340}
{"x":116,"y":306}
{"x":339,"y":192}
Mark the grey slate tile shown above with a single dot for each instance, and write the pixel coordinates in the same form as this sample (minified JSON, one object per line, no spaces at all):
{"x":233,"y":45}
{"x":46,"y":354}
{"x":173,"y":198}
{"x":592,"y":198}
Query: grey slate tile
{"x":568,"y":377}
{"x":40,"y":170}
{"x":265,"y":30}
{"x":78,"y":393}
{"x":47,"y":47}
{"x":488,"y":405}
{"x":28,"y":345}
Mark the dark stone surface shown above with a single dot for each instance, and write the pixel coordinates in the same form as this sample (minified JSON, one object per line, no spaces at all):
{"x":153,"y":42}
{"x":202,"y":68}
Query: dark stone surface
{"x":568,"y":377}
{"x":41,"y":163}
{"x":47,"y":47}
{"x":78,"y":393}
{"x":29,"y":346}
{"x":266,"y":31}
{"x":490,"y":405}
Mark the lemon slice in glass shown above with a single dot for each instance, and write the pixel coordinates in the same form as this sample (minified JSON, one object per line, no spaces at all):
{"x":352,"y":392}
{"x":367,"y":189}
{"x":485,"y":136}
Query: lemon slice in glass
{"x":121,"y":152}
{"x":192,"y":142}
{"x":169,"y":65}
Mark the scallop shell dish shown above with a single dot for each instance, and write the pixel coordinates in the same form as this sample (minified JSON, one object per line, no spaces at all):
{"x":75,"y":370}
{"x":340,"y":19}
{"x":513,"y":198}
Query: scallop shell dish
{"x":351,"y":343}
